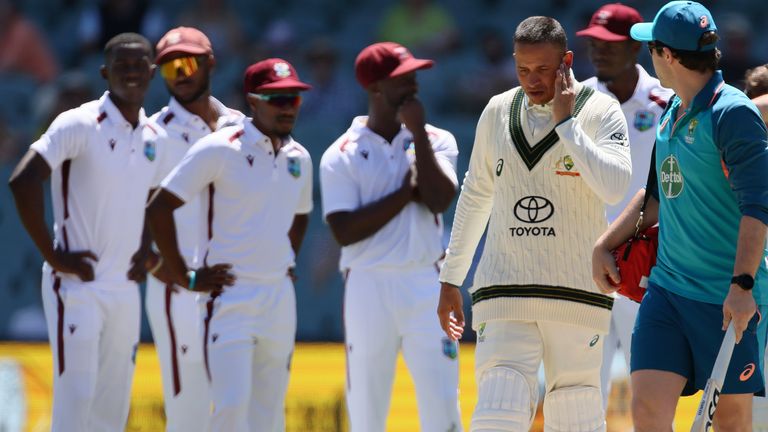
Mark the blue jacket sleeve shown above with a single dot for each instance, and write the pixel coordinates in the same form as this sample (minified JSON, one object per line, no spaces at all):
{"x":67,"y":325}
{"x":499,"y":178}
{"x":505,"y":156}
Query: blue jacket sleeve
{"x":743,"y":142}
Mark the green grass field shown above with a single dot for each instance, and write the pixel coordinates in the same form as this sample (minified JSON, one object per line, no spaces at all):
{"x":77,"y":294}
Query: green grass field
{"x":315,"y":400}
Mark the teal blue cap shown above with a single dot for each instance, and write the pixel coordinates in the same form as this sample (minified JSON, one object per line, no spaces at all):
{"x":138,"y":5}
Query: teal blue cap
{"x":678,"y":25}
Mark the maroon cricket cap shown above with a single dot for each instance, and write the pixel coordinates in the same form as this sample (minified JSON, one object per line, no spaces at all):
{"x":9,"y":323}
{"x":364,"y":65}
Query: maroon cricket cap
{"x":386,"y":60}
{"x":273,"y":73}
{"x":185,"y":40}
{"x":611,"y":23}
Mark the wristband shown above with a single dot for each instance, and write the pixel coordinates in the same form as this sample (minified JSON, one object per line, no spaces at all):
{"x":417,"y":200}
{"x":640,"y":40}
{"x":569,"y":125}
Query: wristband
{"x":191,"y":275}
{"x":745,"y":281}
{"x":157,"y":266}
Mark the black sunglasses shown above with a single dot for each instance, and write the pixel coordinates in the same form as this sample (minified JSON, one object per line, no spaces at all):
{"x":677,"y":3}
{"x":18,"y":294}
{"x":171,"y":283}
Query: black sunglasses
{"x":655,"y":46}
{"x":279,"y":99}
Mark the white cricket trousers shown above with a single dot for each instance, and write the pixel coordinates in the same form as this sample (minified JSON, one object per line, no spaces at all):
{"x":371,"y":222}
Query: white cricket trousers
{"x":385,"y":311}
{"x":177,"y":328}
{"x":250,"y":334}
{"x":94,"y":334}
{"x":619,"y":336}
{"x":571,"y":354}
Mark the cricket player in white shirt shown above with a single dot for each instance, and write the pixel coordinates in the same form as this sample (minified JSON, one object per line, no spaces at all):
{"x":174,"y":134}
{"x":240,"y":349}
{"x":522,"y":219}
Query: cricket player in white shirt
{"x":102,"y":159}
{"x":257,"y":183}
{"x":186,"y":62}
{"x":547,"y":157}
{"x":384,"y":184}
{"x":613,"y":53}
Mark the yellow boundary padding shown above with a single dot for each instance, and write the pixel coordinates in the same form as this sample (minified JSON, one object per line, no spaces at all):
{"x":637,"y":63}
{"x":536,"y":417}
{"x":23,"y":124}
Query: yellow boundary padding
{"x":315,"y":399}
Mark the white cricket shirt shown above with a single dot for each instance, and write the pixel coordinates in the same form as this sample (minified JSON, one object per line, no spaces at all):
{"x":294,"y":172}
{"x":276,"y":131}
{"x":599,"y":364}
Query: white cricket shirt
{"x":361,"y":167}
{"x":182,"y":129}
{"x":541,"y":190}
{"x":642,"y":112}
{"x":250,"y":197}
{"x":101,"y":172}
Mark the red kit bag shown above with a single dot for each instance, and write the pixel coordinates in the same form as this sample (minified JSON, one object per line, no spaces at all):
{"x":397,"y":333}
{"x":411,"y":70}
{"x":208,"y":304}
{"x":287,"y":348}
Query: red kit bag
{"x":635,"y":258}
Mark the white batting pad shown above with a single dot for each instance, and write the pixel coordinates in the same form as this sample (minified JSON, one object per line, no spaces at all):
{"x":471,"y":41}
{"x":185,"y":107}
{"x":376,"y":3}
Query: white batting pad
{"x":574,"y":409}
{"x":504,"y":402}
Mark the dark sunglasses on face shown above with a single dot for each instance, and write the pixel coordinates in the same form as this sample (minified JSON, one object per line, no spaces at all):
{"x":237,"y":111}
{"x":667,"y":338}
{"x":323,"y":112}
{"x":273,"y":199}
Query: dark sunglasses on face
{"x":654,"y":45}
{"x":182,"y":66}
{"x":279,"y":100}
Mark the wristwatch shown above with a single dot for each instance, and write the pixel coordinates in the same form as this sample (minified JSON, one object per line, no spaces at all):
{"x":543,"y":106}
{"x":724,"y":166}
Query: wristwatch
{"x":745,"y":281}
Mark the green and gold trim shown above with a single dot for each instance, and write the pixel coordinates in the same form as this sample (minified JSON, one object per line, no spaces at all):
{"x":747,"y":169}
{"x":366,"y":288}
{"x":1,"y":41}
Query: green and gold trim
{"x":543,"y":291}
{"x":531,"y":155}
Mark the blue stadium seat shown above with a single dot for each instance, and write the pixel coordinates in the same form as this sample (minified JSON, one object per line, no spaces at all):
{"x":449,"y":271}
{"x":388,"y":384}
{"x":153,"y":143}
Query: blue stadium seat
{"x":17,"y":95}
{"x":21,"y":262}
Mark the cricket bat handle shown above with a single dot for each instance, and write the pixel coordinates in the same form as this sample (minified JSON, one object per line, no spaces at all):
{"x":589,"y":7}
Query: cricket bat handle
{"x":706,"y":411}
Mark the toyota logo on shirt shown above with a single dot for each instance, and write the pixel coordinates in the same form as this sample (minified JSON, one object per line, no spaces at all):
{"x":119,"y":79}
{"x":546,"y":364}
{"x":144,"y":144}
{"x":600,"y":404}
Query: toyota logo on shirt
{"x":533,"y":209}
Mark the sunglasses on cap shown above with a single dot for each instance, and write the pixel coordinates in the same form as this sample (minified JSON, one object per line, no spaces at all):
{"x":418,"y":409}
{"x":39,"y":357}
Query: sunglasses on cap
{"x":279,"y":99}
{"x":182,"y":66}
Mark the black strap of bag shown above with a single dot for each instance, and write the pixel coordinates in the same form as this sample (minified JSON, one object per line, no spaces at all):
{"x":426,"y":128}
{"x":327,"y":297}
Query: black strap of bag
{"x":650,"y":184}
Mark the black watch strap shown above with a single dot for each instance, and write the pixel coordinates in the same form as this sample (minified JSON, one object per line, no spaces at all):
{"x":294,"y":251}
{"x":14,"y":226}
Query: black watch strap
{"x":745,"y":281}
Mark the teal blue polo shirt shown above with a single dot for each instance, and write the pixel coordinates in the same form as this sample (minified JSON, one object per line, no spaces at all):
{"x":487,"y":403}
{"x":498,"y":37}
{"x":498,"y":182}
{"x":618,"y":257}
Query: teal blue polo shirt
{"x":712,"y":169}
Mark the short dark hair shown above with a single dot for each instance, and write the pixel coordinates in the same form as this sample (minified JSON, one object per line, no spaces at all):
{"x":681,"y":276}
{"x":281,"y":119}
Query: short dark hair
{"x":756,"y":80}
{"x":127,"y":39}
{"x":541,"y":29}
{"x":701,"y":61}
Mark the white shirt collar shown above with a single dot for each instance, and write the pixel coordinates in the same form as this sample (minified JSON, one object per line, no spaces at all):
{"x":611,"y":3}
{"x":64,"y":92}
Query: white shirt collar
{"x":359,"y":128}
{"x":545,"y":108}
{"x":253,"y":136}
{"x":113,"y":113}
{"x":186,"y":117}
{"x":644,"y":85}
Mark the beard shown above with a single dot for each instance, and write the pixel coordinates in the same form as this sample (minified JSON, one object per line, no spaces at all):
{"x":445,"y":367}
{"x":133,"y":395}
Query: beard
{"x":284,"y":131}
{"x":203,"y":90}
